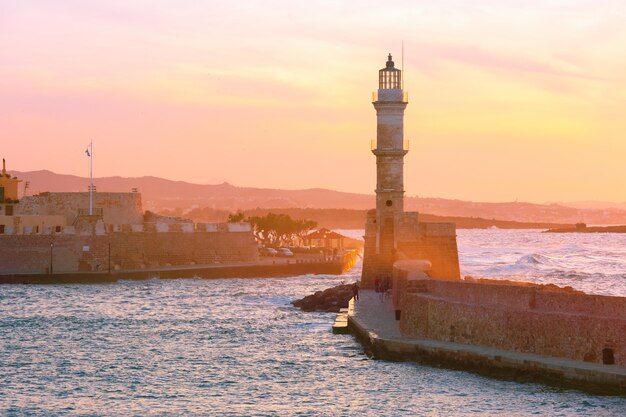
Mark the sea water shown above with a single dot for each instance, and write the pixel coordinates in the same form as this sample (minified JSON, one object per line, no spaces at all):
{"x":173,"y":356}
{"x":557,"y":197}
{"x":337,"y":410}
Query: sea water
{"x":236,"y":347}
{"x":591,"y":262}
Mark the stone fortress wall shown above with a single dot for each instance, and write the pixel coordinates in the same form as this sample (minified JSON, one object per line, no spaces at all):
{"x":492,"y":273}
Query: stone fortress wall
{"x":57,"y":225}
{"x":528,"y":318}
{"x":435,"y":242}
{"x":130,"y":248}
{"x":118,"y":208}
{"x":432,"y":242}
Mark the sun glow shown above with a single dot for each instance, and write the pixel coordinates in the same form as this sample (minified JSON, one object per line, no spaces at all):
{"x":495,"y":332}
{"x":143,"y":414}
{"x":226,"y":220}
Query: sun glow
{"x":245,"y":85}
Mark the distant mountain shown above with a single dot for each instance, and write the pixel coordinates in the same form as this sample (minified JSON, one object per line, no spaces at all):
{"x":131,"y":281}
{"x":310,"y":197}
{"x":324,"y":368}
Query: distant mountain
{"x":517,"y":211}
{"x":160,"y":194}
{"x":594,"y":205}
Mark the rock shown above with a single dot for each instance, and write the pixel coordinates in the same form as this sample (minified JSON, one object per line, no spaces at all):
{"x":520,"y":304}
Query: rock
{"x":329,"y":300}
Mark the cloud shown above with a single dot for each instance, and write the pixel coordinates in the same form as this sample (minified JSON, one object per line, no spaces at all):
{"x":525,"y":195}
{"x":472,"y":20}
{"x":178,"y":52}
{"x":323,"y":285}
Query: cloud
{"x":476,"y":56}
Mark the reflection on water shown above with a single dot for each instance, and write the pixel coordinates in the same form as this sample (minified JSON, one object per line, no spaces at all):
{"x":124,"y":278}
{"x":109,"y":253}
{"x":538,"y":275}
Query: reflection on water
{"x":228,"y":347}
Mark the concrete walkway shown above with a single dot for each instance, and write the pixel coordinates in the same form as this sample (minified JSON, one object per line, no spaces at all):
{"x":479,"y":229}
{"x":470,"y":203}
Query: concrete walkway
{"x":374,"y":323}
{"x":376,"y":315}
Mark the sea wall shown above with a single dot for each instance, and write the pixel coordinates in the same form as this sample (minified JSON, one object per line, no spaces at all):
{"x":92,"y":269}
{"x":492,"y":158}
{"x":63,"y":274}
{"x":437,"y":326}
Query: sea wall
{"x":126,"y":249}
{"x":522,"y":318}
{"x":375,"y":326}
{"x":118,"y":208}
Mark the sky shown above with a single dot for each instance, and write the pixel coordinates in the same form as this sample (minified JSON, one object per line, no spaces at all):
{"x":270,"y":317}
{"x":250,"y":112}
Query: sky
{"x":508,"y":100}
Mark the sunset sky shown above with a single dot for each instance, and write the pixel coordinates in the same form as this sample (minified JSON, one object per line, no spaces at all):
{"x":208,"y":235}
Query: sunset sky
{"x":507,"y":99}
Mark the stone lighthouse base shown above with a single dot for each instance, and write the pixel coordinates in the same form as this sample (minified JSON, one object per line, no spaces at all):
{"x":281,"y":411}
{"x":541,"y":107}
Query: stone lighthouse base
{"x":408,"y":238}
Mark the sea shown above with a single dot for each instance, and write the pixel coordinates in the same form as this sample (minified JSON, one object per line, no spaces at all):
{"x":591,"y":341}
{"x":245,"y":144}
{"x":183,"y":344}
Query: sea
{"x":237,"y":347}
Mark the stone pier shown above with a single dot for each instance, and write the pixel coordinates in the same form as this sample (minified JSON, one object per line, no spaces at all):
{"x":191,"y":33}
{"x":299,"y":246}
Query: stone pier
{"x":373,"y":322}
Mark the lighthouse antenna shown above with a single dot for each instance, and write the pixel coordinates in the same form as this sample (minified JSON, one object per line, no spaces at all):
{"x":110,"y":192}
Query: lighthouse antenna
{"x":402,"y":67}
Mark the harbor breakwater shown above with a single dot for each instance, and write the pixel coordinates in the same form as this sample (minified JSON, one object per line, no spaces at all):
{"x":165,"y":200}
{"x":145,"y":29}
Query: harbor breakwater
{"x":124,"y":250}
{"x":265,"y":268}
{"x":373,"y":322}
{"x":499,"y":328}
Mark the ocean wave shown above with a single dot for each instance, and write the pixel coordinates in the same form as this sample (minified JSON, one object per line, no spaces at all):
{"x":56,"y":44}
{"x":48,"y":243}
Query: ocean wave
{"x":591,"y":263}
{"x":529,"y":263}
{"x":538,"y":260}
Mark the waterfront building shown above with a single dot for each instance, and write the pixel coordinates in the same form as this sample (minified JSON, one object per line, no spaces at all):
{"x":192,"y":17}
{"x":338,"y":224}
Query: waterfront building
{"x":8,"y":191}
{"x":325,"y":238}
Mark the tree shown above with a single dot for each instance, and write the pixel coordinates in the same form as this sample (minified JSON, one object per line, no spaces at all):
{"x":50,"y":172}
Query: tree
{"x":305,"y":227}
{"x":237,"y":217}
{"x":279,"y":229}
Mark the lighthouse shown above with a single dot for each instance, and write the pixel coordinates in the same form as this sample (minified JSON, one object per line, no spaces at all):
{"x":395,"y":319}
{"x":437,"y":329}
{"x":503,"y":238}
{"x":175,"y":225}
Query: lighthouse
{"x":391,"y":234}
{"x":390,"y":148}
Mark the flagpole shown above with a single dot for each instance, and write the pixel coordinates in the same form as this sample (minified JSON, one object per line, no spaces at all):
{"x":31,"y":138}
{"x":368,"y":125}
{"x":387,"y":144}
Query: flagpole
{"x":91,"y":178}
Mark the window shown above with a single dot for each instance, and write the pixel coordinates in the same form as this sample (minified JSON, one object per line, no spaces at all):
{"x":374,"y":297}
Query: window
{"x":9,"y":210}
{"x":1,"y":229}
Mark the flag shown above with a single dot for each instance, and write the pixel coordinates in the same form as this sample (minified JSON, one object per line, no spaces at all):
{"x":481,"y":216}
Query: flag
{"x":87,"y":152}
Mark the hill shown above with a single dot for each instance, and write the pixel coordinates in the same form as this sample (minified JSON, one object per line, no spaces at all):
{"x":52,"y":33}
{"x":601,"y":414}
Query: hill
{"x":355,"y":219}
{"x":162,"y":194}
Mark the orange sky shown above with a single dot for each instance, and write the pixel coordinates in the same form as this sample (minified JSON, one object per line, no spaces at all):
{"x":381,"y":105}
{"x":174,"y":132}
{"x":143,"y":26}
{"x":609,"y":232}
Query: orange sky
{"x":508,"y":99}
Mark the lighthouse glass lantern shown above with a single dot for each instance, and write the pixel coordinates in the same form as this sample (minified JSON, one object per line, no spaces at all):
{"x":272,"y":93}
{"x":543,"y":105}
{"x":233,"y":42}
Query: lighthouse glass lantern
{"x":390,"y":76}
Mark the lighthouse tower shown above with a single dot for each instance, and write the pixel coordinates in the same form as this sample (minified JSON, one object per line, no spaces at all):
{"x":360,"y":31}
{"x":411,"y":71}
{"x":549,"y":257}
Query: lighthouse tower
{"x":391,"y":233}
{"x":389,"y":102}
{"x":389,"y":149}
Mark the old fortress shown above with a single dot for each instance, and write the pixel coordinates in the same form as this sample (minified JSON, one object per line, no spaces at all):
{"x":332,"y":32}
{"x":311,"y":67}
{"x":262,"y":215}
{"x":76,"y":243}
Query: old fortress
{"x":54,"y":232}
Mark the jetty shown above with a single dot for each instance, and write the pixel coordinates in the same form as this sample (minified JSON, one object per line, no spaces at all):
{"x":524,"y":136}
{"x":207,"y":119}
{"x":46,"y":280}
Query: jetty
{"x":373,"y":321}
{"x":263,"y":268}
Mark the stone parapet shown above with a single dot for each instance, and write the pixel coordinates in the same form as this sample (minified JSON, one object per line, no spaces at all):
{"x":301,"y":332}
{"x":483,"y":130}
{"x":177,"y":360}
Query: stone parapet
{"x":528,"y":296}
{"x":521,"y":318}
